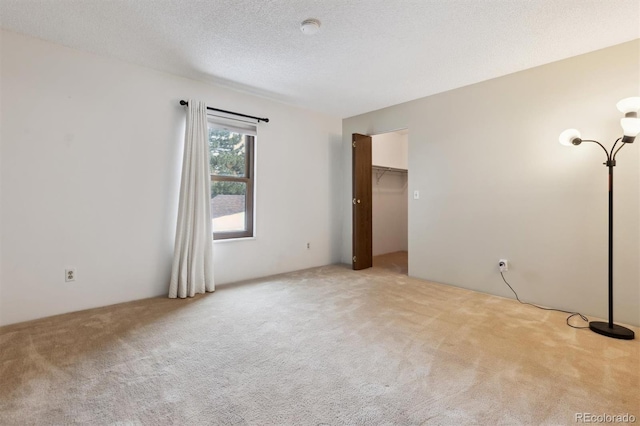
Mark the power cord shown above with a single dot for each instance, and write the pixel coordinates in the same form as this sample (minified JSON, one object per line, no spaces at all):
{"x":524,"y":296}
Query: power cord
{"x":573,"y":314}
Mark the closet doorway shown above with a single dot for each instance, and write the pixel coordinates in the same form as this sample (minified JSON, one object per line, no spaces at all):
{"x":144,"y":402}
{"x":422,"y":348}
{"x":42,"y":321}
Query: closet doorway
{"x":390,"y":199}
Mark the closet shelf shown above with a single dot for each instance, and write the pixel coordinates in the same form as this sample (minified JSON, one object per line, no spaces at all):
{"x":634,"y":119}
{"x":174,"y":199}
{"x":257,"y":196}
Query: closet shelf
{"x":388,"y":169}
{"x":381,"y":170}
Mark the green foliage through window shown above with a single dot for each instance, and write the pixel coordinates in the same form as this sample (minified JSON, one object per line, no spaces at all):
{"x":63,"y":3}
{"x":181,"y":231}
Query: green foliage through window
{"x":227,"y":153}
{"x":228,"y":158}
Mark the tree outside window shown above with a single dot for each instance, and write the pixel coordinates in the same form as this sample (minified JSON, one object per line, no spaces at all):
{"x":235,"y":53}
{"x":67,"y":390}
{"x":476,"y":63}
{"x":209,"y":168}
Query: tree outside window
{"x":231,"y":168}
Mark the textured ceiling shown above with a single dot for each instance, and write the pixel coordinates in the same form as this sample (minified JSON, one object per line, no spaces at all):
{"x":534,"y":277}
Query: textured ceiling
{"x":368,"y":54}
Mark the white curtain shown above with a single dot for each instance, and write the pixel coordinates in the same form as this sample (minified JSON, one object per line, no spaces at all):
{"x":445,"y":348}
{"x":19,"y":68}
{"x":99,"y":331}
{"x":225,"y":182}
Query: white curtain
{"x":192,"y":270}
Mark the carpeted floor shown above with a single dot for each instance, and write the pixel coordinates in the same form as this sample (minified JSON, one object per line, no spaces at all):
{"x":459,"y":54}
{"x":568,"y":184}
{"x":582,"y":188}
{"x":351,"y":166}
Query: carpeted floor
{"x":393,"y":262}
{"x":324,"y":346}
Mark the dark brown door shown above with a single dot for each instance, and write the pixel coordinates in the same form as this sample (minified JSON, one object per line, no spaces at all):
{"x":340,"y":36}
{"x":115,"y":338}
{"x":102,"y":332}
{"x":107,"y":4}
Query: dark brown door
{"x":362,"y":202}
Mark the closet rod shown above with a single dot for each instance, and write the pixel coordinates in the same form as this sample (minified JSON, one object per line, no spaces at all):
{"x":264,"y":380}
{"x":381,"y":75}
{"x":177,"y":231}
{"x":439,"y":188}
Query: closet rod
{"x":266,"y":120}
{"x":389,"y":169}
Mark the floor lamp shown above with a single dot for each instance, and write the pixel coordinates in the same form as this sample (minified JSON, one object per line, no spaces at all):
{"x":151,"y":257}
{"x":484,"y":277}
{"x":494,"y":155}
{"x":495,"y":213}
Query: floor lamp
{"x":571,"y":137}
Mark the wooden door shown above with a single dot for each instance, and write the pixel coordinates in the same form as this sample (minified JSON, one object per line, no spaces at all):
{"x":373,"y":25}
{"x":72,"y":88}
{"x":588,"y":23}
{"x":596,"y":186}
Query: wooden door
{"x":362,"y":202}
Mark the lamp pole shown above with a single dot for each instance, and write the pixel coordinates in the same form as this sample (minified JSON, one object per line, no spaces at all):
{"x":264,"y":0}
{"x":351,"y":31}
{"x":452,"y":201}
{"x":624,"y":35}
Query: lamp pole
{"x":610,"y":165}
{"x":608,"y":329}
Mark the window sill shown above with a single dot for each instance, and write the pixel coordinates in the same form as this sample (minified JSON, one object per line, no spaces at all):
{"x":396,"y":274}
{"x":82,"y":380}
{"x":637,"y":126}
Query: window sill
{"x":233,"y":240}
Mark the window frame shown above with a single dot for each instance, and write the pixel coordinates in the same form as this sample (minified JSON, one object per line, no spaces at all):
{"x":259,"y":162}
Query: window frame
{"x":248,"y":179}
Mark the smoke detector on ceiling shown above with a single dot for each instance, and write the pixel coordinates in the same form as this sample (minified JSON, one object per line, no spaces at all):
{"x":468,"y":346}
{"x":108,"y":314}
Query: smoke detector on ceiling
{"x":310,"y":26}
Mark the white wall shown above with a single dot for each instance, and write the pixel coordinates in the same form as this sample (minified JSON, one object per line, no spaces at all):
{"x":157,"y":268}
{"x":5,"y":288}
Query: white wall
{"x":389,"y":213}
{"x":389,"y":207}
{"x":495,"y":184}
{"x":390,"y":150}
{"x":91,"y":155}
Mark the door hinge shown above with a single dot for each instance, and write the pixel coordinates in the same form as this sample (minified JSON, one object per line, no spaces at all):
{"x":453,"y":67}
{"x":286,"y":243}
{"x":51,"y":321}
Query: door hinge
{"x":354,"y":144}
{"x":354,"y":259}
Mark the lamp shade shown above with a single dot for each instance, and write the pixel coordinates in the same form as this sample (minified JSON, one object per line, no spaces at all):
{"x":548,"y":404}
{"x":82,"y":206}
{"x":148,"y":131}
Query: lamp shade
{"x":567,"y":137}
{"x":629,"y":105}
{"x":630,"y":126}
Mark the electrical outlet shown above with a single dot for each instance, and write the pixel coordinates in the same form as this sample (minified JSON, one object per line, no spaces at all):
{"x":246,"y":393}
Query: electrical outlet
{"x":308,"y":246}
{"x":70,"y":274}
{"x":416,"y":195}
{"x":503,"y":264}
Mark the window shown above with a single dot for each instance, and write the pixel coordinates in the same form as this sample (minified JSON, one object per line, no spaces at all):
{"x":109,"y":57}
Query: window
{"x":232,"y":179}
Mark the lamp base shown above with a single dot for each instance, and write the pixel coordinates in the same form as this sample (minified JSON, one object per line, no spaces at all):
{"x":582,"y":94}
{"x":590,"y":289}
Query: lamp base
{"x":617,"y":331}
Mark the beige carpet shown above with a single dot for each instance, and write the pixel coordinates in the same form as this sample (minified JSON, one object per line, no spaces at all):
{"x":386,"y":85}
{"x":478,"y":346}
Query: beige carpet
{"x":322,"y":346}
{"x":393,"y":262}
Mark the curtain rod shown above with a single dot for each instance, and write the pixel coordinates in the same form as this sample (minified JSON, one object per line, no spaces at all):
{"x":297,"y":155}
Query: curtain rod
{"x":266,"y":120}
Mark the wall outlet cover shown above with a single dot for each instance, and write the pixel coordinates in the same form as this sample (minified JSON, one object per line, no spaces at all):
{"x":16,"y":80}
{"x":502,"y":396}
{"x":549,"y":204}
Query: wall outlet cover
{"x":503,"y":264}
